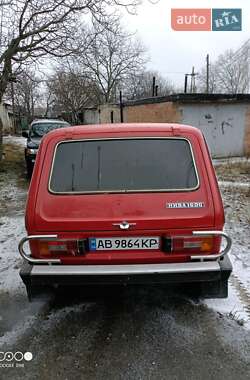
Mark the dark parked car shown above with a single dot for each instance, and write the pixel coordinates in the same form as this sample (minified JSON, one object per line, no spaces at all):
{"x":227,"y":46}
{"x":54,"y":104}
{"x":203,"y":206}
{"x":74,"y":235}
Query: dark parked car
{"x":37,"y":130}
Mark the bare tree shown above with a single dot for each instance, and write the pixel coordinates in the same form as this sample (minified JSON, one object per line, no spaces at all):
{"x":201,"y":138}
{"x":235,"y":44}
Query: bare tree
{"x":228,"y":74}
{"x":31,"y":29}
{"x":72,"y":91}
{"x":112,"y":56}
{"x":141,"y":85}
{"x":202,"y":80}
{"x":26,"y":94}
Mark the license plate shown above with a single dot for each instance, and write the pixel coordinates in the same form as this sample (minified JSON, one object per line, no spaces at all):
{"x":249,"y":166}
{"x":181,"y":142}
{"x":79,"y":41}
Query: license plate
{"x":124,"y":243}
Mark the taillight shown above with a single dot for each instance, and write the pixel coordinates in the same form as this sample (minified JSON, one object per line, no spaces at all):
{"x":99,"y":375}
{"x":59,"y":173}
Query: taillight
{"x":56,"y":248}
{"x":191,"y":244}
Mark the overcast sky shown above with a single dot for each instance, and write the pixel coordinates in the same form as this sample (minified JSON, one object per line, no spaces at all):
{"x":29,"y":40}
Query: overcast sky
{"x":174,"y":53}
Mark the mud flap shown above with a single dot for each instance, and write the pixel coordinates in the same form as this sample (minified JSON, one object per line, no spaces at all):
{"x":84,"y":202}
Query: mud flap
{"x":34,"y":292}
{"x":218,"y":289}
{"x":215,"y":289}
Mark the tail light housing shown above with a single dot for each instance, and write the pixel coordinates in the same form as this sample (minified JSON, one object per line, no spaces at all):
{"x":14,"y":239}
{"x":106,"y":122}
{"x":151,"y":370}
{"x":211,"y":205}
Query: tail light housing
{"x":191,"y":245}
{"x":57,"y":248}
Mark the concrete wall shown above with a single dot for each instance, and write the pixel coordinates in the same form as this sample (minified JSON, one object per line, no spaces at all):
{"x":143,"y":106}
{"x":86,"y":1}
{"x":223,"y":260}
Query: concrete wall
{"x":247,"y":132}
{"x":105,"y":111}
{"x":222,"y":124}
{"x":226,"y":125}
{"x":91,"y":116}
{"x":7,"y":122}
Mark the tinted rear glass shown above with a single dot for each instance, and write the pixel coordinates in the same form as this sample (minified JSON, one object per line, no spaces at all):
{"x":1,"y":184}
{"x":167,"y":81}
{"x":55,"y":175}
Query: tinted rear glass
{"x":123,"y":165}
{"x":40,"y":129}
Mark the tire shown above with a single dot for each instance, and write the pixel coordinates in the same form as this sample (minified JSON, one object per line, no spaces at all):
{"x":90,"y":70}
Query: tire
{"x":29,"y":168}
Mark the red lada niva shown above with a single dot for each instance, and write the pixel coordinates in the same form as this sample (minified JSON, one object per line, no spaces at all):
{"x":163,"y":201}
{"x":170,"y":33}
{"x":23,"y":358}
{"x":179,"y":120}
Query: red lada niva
{"x":125,"y":204}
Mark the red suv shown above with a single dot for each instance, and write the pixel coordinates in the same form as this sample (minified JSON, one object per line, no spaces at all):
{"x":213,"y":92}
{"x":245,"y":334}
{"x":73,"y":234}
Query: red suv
{"x":124,"y":204}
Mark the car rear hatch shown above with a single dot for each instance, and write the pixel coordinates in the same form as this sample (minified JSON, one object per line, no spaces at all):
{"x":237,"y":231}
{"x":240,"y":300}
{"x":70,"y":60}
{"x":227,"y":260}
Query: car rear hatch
{"x":152,"y":183}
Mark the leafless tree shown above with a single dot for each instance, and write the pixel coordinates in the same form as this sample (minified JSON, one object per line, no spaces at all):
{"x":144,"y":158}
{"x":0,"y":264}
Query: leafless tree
{"x":202,"y":80}
{"x":25,"y":93}
{"x":229,"y":73}
{"x":141,"y":85}
{"x":72,"y":91}
{"x":112,"y":56}
{"x":31,"y":29}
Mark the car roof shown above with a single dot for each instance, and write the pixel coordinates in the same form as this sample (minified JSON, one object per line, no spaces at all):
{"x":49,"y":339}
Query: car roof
{"x":56,"y":121}
{"x":101,"y":129}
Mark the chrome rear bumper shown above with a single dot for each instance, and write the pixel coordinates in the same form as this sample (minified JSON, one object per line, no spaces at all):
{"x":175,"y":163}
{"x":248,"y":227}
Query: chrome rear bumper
{"x":41,"y":278}
{"x":210,"y":257}
{"x":132,"y":269}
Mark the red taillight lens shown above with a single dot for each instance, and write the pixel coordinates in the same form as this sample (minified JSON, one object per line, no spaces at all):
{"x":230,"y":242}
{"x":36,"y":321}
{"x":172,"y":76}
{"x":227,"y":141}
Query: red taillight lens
{"x":56,"y":248}
{"x":48,"y":248}
{"x":193,"y":244}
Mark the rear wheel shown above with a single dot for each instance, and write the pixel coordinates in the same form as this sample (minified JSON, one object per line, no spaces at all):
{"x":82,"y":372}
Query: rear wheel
{"x":29,"y":168}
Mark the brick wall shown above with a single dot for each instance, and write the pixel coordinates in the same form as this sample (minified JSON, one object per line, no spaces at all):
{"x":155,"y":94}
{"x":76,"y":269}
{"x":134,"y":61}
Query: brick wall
{"x":167,"y":112}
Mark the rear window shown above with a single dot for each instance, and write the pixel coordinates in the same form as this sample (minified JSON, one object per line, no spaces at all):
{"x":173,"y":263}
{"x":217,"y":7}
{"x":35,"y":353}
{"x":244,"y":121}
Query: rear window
{"x":123,"y":165}
{"x":40,"y":129}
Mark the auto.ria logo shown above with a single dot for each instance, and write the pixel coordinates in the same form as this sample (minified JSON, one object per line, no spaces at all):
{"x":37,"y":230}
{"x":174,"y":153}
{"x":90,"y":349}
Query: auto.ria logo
{"x":227,"y":19}
{"x":206,"y":19}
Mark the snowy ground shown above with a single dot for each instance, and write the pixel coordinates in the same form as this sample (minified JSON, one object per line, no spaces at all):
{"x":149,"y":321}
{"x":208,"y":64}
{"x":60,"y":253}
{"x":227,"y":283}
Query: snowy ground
{"x":141,"y":333}
{"x":17,"y":140}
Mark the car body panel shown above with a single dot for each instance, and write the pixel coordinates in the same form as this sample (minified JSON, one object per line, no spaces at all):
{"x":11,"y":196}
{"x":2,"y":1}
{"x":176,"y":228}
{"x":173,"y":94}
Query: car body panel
{"x":98,"y":212}
{"x":79,"y":217}
{"x":98,"y":215}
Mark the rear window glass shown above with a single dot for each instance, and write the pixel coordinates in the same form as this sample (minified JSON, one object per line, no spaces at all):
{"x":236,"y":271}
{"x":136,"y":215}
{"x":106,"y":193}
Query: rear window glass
{"x":40,"y":129}
{"x":123,"y":165}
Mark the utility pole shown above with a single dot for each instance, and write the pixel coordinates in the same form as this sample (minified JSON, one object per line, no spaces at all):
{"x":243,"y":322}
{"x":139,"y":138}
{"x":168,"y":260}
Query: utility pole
{"x":153,"y":88}
{"x":121,"y":108}
{"x":192,"y":81}
{"x":192,"y":84}
{"x":112,"y":117}
{"x":207,"y":88}
{"x":186,"y":83}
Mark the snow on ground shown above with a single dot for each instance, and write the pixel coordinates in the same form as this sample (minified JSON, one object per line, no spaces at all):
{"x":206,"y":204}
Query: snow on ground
{"x":12,"y":230}
{"x":17,"y":140}
{"x":17,"y":315}
{"x":237,"y":305}
{"x":230,"y":160}
{"x":236,"y":200}
{"x":232,"y":184}
{"x":231,"y":306}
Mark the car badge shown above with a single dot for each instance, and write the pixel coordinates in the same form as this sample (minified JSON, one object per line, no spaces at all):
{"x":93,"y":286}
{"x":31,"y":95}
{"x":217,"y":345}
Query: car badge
{"x":185,"y":205}
{"x":124,"y":225}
